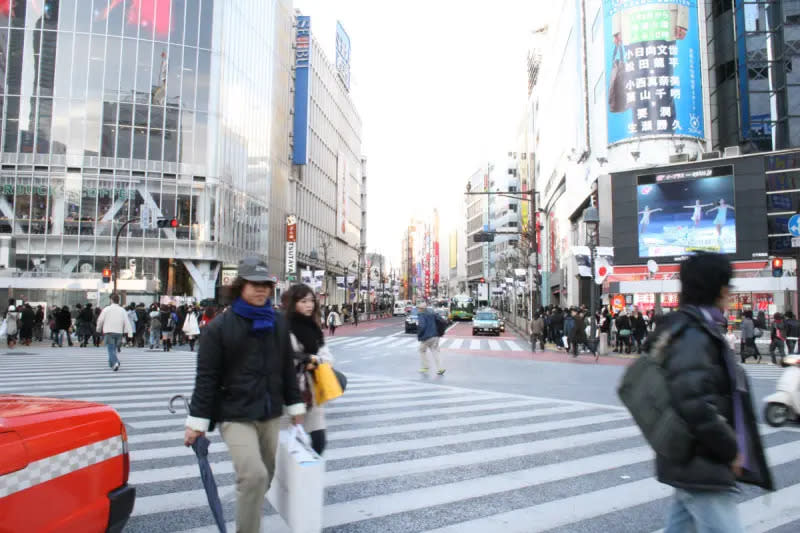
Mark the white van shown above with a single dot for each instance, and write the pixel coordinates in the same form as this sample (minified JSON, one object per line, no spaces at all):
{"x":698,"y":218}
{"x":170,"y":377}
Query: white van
{"x":399,"y":308}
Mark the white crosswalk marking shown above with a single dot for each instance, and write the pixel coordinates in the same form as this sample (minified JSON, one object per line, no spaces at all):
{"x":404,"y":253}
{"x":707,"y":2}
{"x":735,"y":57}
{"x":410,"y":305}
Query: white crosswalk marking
{"x":447,"y":343}
{"x":403,"y":452}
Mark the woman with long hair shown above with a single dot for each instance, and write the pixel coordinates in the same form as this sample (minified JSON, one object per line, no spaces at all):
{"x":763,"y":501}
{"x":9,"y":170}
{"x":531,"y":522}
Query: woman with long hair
{"x":310,"y":351}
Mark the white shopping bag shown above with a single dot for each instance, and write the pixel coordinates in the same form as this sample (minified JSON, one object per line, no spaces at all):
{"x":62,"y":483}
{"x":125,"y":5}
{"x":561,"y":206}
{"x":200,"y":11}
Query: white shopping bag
{"x":297,"y":489}
{"x":565,"y":341}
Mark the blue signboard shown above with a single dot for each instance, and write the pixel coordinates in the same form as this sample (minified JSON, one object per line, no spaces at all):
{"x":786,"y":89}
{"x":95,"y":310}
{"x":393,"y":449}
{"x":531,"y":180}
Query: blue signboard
{"x":302,"y":60}
{"x":343,"y":55}
{"x":653,"y":69}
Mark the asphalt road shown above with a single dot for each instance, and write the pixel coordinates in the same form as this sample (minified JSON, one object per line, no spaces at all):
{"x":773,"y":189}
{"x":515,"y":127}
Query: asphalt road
{"x":505,"y":441}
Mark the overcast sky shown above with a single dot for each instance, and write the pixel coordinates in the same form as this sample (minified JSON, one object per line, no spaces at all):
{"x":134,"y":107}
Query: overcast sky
{"x":440,"y":86}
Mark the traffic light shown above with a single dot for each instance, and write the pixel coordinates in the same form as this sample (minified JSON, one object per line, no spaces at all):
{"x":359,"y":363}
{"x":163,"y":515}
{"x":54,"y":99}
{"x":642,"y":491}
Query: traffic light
{"x":167,"y":223}
{"x":777,"y":267}
{"x":483,"y":236}
{"x":106,"y":275}
{"x":483,"y":280}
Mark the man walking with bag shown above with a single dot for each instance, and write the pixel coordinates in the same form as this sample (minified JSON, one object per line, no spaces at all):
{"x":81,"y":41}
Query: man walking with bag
{"x":710,"y":440}
{"x":428,"y":333}
{"x":245,"y":375}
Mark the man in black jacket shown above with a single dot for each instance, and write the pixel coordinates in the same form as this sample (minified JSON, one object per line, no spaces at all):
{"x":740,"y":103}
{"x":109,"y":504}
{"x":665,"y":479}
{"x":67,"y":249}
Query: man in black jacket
{"x":245,"y":375}
{"x":710,"y":393}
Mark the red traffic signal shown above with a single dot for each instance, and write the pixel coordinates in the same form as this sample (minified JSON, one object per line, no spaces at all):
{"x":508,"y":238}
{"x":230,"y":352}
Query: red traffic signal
{"x":777,"y":267}
{"x":106,"y":275}
{"x":483,"y":280}
{"x":167,"y":223}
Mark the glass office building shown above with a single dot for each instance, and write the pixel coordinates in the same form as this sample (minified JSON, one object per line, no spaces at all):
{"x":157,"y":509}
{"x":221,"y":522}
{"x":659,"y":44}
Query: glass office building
{"x":115,"y":110}
{"x":754,"y":51}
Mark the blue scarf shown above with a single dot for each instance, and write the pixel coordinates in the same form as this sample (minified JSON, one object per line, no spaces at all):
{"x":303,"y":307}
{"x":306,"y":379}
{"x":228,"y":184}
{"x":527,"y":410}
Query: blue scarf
{"x":263,"y":317}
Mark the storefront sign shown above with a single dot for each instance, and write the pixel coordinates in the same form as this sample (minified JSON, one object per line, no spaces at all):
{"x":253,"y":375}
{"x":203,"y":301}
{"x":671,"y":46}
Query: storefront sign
{"x":228,"y":276}
{"x":291,"y":258}
{"x":618,"y":302}
{"x":291,"y":245}
{"x":10,"y":189}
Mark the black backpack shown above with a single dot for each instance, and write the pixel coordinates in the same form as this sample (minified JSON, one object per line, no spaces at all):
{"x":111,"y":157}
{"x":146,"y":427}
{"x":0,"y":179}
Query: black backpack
{"x":441,"y":326}
{"x":645,"y":392}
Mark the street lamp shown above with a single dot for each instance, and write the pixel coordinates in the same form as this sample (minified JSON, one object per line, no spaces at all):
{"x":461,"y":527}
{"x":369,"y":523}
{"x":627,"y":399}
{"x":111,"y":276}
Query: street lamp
{"x":591,"y":219}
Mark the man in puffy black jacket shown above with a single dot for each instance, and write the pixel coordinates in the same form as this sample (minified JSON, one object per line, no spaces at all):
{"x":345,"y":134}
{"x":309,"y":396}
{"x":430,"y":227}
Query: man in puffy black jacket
{"x":245,"y":375}
{"x":710,"y":393}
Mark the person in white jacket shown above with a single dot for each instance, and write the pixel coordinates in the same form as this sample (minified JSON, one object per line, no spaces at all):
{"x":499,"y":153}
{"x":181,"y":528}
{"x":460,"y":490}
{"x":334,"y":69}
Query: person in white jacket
{"x":113,"y":323}
{"x":191,"y":327}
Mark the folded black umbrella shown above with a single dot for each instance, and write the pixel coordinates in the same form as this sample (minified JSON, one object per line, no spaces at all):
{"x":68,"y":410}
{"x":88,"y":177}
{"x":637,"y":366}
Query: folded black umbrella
{"x":200,"y":447}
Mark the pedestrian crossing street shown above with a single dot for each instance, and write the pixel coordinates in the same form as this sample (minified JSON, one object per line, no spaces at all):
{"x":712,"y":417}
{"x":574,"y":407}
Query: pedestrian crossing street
{"x":407,"y":455}
{"x":445,"y":343}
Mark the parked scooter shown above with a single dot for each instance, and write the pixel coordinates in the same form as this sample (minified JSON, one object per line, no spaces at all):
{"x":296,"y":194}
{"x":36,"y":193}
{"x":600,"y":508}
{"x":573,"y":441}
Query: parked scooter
{"x":783,"y":405}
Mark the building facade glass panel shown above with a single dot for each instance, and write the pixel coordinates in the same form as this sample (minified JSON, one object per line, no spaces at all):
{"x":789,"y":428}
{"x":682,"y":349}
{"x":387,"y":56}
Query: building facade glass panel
{"x":119,"y":108}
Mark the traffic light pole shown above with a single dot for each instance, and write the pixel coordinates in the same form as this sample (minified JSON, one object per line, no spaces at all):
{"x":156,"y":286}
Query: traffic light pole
{"x":116,"y":250}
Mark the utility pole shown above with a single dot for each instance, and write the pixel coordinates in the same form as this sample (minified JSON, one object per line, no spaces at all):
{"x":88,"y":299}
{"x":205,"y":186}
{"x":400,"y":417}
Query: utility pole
{"x":488,"y":228}
{"x":325,"y":243}
{"x":116,"y":250}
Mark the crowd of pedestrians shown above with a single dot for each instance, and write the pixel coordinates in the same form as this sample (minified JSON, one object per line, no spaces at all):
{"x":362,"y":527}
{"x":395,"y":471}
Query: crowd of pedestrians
{"x":569,"y":329}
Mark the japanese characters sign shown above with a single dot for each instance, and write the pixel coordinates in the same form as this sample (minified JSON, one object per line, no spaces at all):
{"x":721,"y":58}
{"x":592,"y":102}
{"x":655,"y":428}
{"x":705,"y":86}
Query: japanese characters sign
{"x":653,"y":69}
{"x":302,"y":60}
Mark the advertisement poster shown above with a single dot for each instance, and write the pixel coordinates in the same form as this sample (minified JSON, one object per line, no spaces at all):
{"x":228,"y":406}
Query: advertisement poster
{"x":343,"y":55}
{"x":653,"y":69}
{"x":686,"y":212}
{"x":342,"y":176}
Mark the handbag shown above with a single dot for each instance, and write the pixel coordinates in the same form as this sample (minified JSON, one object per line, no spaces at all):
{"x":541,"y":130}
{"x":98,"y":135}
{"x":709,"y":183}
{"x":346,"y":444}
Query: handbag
{"x":757,"y":333}
{"x":617,"y":101}
{"x":624,"y":333}
{"x":342,"y":379}
{"x":326,"y":384}
{"x":297,"y":490}
{"x":645,"y":392}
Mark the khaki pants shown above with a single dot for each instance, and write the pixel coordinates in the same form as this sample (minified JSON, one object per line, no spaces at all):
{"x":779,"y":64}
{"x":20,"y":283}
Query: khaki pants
{"x":252,"y":446}
{"x":431,"y":344}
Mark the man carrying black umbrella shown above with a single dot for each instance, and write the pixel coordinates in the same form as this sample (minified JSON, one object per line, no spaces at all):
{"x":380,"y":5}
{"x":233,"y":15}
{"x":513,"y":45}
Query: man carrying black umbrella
{"x":245,"y":375}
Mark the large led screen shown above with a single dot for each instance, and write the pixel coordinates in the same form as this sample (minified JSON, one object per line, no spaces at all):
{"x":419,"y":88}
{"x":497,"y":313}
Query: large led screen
{"x":685,"y":212}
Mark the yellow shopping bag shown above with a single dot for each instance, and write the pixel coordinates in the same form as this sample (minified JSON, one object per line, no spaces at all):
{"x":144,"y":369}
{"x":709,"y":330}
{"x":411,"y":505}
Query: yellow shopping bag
{"x":326,"y":384}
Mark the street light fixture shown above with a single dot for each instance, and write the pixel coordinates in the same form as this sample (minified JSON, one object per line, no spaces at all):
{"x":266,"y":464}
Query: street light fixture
{"x":591,"y":219}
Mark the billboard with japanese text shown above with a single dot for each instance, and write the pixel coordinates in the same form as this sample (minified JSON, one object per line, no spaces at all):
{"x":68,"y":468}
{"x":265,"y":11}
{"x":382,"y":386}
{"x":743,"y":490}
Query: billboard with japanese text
{"x":653,"y":69}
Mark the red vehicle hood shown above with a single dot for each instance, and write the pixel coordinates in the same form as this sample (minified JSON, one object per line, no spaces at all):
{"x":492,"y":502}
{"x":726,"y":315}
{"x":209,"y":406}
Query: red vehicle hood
{"x":12,"y":405}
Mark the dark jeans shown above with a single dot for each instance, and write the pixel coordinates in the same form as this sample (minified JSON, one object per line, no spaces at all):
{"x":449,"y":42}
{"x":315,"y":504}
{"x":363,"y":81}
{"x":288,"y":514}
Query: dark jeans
{"x":749,"y":349}
{"x":537,"y":337}
{"x":318,"y":440}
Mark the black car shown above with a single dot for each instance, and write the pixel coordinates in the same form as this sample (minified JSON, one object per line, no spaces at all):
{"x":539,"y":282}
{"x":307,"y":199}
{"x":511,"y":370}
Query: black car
{"x":412,"y":320}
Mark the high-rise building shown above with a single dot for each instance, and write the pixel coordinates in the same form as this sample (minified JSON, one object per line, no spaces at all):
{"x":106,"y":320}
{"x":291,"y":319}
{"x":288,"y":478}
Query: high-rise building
{"x":328,"y":186}
{"x":133,"y":111}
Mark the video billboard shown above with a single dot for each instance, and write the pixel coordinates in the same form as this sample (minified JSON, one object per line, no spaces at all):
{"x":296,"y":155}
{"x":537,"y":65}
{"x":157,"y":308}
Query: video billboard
{"x":687,"y":211}
{"x":653,"y":73}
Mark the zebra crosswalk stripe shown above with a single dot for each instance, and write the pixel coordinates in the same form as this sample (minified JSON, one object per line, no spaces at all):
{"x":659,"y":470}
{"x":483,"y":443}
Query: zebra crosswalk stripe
{"x":400,"y":449}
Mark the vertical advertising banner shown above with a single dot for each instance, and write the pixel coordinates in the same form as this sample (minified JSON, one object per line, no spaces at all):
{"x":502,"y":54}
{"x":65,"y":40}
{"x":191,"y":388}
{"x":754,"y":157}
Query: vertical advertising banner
{"x":342,"y":176}
{"x":291,"y":245}
{"x":652,"y":52}
{"x":302,"y":60}
{"x":435,"y":248}
{"x":343,"y":55}
{"x":454,"y":250}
